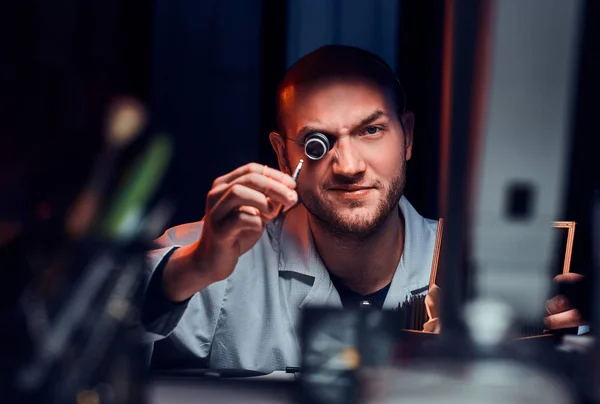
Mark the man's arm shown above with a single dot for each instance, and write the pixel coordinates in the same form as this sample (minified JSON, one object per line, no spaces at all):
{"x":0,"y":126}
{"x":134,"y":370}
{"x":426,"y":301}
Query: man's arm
{"x":161,"y":313}
{"x":196,"y":257}
{"x":238,"y":207}
{"x":183,"y":275}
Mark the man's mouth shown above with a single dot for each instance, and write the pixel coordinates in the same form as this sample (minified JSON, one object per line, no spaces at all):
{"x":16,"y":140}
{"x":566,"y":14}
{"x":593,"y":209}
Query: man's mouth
{"x":350,"y":191}
{"x":349,"y":187}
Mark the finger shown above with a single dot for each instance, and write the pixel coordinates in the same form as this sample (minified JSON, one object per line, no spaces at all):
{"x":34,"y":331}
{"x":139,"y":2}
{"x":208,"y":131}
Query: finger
{"x":249,"y":210}
{"x":215,"y":194}
{"x":267,"y":217}
{"x":277,"y":209}
{"x":285,"y":209}
{"x":257,"y":168}
{"x":288,"y":208}
{"x":432,"y":301}
{"x":568,"y":277}
{"x":567,"y":319}
{"x":237,"y":196}
{"x":281,"y":202}
{"x":272,"y":188}
{"x":239,"y":221}
{"x":432,"y":325}
{"x":558,"y":304}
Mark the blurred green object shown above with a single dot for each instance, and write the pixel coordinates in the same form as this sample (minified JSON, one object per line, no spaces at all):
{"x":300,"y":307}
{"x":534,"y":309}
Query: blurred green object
{"x":136,"y":189}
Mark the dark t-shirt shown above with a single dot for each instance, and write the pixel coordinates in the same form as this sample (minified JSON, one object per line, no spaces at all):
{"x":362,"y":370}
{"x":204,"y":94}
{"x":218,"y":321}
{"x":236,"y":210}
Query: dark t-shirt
{"x":352,"y":299}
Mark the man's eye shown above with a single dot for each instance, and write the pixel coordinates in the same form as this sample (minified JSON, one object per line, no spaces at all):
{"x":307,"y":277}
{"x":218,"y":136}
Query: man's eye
{"x":371,"y":130}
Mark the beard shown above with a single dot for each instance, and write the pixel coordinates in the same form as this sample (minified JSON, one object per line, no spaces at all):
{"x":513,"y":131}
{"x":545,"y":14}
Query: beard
{"x":351,"y":226}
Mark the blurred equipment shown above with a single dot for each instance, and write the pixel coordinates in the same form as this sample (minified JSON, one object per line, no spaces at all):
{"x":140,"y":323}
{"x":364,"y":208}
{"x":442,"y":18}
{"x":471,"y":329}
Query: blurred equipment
{"x":521,"y":124}
{"x":80,"y":312}
{"x":414,"y":312}
{"x":125,"y":121}
{"x":512,"y":90}
{"x":594,"y":360}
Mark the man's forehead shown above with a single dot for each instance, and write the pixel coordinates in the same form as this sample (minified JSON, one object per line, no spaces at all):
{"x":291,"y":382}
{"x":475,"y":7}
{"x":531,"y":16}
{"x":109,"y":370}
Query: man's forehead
{"x":329,"y":86}
{"x":335,"y":102}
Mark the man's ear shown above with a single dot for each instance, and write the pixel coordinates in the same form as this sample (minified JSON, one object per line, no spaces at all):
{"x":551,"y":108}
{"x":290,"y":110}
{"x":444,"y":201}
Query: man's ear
{"x":408,"y":124}
{"x":278,"y":144}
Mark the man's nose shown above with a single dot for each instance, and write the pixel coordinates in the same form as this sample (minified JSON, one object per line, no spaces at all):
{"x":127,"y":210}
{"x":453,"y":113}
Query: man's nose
{"x":346,"y":159}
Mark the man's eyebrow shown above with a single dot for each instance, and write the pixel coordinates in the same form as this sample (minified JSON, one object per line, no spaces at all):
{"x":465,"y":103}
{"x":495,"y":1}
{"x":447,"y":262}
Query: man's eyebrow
{"x":305,"y":130}
{"x":374,"y":116}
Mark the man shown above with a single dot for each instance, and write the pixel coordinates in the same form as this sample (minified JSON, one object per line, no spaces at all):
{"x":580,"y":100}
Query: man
{"x":228,"y":291}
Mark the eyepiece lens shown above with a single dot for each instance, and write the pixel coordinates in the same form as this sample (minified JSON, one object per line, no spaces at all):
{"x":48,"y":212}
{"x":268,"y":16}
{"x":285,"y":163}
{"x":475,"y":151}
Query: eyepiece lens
{"x":315,"y":149}
{"x":316,"y":146}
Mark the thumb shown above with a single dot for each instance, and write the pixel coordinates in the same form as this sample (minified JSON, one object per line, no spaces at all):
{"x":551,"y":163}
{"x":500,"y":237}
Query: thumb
{"x":433,"y":326}
{"x":432,"y":301}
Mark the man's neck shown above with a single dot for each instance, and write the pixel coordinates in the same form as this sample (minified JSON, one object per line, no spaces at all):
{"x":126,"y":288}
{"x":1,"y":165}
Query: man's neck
{"x":365,"y":265}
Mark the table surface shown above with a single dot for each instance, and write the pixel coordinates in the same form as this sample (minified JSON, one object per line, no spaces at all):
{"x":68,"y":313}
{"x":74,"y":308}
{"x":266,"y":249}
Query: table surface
{"x":273,"y":388}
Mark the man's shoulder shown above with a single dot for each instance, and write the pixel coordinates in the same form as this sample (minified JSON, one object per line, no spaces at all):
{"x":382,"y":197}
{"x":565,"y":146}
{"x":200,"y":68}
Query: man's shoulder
{"x":425,"y":231}
{"x":431,"y":224}
{"x":416,"y":219}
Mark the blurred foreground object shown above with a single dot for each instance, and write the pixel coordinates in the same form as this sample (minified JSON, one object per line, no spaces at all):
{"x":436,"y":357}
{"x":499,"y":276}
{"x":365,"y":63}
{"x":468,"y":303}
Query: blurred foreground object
{"x":125,"y":121}
{"x":93,"y":345}
{"x":75,"y":329}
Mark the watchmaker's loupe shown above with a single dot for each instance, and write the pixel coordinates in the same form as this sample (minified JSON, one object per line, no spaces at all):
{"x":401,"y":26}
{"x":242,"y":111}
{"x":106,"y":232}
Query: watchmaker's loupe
{"x":316,"y":146}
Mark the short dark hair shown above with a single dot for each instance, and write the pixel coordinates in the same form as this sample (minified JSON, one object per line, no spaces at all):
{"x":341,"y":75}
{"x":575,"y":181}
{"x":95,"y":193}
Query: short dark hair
{"x":335,"y":61}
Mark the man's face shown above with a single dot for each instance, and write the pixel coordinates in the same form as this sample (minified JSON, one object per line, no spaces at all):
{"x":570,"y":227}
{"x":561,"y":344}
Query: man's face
{"x":353,"y":189}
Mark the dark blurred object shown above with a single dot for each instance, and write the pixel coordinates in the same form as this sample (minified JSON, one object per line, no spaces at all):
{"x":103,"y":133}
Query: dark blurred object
{"x":579,"y":294}
{"x":125,"y":121}
{"x":364,"y":356}
{"x":77,"y":317}
{"x":414,"y":312}
{"x":191,"y":390}
{"x":338,"y":344}
{"x":62,"y":65}
{"x":499,"y":114}
{"x":88,"y":345}
{"x":330,"y":355}
{"x":595,"y":301}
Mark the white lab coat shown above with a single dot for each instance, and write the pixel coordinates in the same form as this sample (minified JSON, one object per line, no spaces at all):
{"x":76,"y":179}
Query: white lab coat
{"x":250,"y":320}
